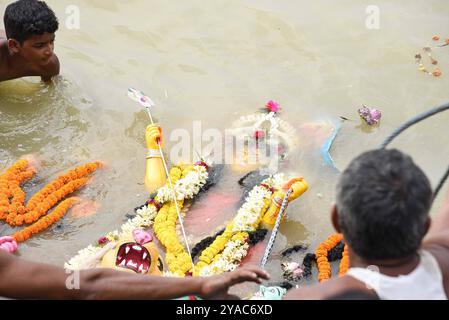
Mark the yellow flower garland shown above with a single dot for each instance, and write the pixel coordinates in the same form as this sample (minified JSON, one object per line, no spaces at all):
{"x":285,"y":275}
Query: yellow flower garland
{"x":178,"y":260}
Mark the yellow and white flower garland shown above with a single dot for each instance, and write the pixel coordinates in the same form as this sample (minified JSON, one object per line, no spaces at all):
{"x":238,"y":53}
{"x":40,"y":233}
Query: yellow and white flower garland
{"x":193,"y":179}
{"x":228,"y":249}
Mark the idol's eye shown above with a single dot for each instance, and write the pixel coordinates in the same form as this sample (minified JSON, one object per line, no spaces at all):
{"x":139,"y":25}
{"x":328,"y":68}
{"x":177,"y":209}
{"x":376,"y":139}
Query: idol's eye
{"x":160,"y":264}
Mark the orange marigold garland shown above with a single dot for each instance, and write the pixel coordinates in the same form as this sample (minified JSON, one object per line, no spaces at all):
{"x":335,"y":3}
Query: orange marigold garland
{"x":46,"y":221}
{"x":344,"y":264}
{"x":10,"y":182}
{"x":324,"y":267}
{"x":50,"y":201}
{"x":12,"y":197}
{"x":78,"y":173}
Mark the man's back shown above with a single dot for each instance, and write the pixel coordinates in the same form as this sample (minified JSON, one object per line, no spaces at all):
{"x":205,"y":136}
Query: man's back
{"x":382,"y":209}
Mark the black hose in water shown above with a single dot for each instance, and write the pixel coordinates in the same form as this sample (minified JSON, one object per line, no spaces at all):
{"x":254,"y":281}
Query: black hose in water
{"x":410,"y":123}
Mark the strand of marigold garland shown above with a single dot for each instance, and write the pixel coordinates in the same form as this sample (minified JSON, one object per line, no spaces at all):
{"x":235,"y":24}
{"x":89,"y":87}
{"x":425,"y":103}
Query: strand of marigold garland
{"x":50,"y":201}
{"x":46,"y":221}
{"x":324,"y":267}
{"x":15,"y":213}
{"x":10,"y":182}
{"x":345,"y":262}
{"x":77,"y":173}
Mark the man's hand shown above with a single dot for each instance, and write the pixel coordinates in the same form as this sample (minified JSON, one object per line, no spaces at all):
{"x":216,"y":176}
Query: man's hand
{"x":153,"y":135}
{"x":216,"y":287}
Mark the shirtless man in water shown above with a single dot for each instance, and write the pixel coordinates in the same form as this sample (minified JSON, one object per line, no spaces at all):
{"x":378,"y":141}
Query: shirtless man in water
{"x":27,"y":44}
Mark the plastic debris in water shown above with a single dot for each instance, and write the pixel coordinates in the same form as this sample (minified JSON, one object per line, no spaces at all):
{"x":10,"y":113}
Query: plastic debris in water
{"x":370,"y":115}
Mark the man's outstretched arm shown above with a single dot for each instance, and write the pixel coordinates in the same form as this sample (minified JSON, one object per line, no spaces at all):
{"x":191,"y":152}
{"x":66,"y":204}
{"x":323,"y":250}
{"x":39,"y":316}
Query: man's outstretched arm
{"x":29,"y":280}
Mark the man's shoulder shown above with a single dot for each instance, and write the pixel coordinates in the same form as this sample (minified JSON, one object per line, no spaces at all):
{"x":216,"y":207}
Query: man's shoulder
{"x":52,"y":68}
{"x":327,"y":289}
{"x":441,"y":253}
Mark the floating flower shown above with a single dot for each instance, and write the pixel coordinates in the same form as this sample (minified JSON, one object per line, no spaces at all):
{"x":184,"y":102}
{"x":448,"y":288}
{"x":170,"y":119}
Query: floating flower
{"x":370,"y":115}
{"x":272,"y":106}
{"x":435,"y":38}
{"x":437,"y":73}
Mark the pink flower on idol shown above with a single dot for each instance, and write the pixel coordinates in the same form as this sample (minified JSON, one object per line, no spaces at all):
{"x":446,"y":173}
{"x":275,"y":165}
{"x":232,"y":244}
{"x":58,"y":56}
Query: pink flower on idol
{"x":8,"y":244}
{"x":273,"y":106}
{"x":142,"y":237}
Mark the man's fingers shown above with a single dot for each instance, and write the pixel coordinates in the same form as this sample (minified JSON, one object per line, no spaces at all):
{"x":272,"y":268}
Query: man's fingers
{"x":258,"y":271}
{"x":250,"y":274}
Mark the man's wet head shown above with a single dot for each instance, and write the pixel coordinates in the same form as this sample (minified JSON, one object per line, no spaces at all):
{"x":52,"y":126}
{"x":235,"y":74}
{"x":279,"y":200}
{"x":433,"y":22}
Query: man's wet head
{"x":30,"y":27}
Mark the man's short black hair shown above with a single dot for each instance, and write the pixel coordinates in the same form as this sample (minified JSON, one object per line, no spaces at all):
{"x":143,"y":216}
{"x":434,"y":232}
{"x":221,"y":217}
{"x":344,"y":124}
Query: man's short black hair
{"x":383,"y":203}
{"x":26,"y":18}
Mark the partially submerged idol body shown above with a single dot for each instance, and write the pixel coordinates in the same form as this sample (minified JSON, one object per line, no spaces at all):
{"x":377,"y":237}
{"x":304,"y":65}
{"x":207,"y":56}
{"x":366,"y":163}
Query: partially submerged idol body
{"x":268,"y":140}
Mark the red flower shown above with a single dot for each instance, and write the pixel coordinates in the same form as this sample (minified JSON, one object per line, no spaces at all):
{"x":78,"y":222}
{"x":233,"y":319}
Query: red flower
{"x":272,"y":106}
{"x":103,"y":240}
{"x":202,"y":163}
{"x":259,"y":134}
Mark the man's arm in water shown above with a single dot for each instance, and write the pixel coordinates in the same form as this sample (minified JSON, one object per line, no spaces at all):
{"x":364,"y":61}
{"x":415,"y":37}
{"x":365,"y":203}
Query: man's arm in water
{"x":22,"y":279}
{"x":154,"y":174}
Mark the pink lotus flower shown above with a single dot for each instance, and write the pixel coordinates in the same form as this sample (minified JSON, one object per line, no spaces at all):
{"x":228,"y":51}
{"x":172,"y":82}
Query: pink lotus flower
{"x":272,"y":106}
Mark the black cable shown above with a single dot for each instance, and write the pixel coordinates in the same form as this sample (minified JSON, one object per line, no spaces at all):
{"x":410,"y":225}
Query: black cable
{"x":411,"y":122}
{"x":441,"y":183}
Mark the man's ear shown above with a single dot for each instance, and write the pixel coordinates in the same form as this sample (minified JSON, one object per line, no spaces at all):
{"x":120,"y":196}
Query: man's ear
{"x":13,"y":45}
{"x":334,"y":218}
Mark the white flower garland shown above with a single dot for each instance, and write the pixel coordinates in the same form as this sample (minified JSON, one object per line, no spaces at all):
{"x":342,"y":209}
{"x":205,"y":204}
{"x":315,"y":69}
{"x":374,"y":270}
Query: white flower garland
{"x":229,"y":260}
{"x":245,"y":221}
{"x":249,"y":213}
{"x":185,"y":188}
